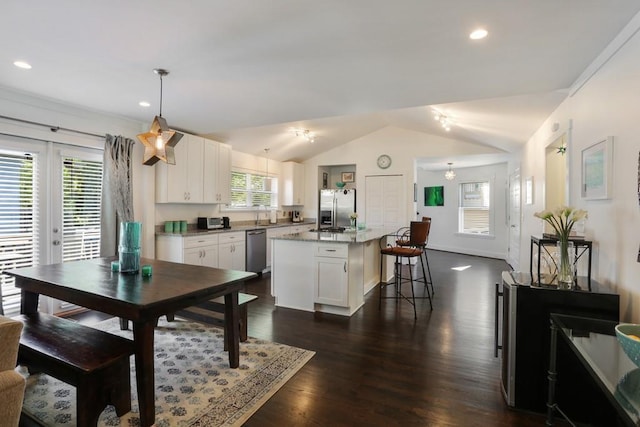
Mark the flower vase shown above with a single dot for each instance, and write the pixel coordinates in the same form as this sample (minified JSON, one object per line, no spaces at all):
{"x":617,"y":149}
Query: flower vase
{"x":353,"y":223}
{"x":565,"y":263}
{"x":129,"y":247}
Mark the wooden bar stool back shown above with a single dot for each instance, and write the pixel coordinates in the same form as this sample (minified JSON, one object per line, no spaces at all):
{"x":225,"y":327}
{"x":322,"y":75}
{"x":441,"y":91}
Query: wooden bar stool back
{"x":418,"y":232}
{"x":405,"y":240}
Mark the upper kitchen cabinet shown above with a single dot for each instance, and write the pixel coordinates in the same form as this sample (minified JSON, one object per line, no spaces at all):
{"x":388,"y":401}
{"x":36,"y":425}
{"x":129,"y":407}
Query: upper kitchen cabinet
{"x":201,"y":173}
{"x":293,"y":183}
{"x":182,"y":182}
{"x":217,"y":172}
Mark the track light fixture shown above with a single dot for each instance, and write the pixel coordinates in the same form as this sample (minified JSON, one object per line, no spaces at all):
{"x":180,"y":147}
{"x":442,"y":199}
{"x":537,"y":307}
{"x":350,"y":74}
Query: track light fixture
{"x":443,"y":119}
{"x":306,"y":134}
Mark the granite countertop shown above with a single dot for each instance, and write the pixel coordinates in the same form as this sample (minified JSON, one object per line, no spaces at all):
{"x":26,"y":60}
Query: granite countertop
{"x":360,"y":236}
{"x":193,"y":231}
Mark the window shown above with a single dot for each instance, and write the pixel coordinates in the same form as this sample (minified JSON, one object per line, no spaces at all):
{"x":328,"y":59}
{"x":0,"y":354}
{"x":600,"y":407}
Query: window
{"x":253,"y":190}
{"x":474,"y":211}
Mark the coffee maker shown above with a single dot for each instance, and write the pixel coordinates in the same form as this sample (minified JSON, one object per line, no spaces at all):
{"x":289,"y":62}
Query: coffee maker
{"x":297,"y":216}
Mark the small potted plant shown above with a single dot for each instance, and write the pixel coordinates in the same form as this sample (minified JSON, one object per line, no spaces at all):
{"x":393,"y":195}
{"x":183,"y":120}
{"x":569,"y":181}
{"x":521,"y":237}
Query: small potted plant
{"x":353,"y":217}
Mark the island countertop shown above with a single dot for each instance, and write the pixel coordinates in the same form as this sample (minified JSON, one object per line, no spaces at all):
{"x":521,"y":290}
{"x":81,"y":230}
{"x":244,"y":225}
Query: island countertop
{"x":360,"y":236}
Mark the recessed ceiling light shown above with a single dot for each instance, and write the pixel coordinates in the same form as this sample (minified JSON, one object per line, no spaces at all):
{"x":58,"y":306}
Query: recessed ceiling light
{"x":478,"y":34}
{"x":22,"y":64}
{"x":144,"y":104}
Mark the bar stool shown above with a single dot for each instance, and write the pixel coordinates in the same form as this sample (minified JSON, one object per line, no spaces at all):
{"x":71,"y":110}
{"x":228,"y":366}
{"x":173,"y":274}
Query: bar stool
{"x":404,"y":241}
{"x":418,"y":231}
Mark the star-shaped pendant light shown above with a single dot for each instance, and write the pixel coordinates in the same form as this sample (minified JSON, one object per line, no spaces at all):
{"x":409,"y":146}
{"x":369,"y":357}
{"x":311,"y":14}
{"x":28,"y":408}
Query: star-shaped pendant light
{"x":160,"y":140}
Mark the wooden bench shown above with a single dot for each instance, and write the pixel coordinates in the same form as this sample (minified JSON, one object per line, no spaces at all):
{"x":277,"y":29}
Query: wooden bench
{"x":201,"y":312}
{"x":95,"y":362}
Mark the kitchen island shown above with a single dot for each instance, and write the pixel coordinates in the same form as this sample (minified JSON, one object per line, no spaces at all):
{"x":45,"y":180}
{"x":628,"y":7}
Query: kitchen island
{"x":323,"y":271}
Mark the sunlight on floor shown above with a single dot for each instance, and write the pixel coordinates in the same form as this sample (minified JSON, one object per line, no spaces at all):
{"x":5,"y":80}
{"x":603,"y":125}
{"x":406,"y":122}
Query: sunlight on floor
{"x":461,"y":268}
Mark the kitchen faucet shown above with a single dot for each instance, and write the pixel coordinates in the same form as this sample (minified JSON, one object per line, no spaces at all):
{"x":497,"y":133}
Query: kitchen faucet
{"x":258,"y":215}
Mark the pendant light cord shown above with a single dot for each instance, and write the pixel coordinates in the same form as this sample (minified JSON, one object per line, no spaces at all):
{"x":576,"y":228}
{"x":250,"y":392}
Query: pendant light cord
{"x":160,"y":95}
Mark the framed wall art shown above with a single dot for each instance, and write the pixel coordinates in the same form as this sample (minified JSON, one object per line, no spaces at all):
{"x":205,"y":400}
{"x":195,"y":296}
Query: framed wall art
{"x":597,"y":168}
{"x":325,"y":179}
{"x":348,"y":177}
{"x":434,"y":196}
{"x":528,"y":190}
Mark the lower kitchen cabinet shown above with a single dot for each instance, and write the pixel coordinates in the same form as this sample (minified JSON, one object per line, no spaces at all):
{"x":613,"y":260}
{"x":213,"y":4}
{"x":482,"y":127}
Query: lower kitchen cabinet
{"x":231,"y":250}
{"x":195,"y":250}
{"x":206,"y":255}
{"x":217,"y":250}
{"x":331,"y":277}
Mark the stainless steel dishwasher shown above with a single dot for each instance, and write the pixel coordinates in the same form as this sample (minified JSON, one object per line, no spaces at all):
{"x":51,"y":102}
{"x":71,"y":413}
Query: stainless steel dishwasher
{"x":256,"y":250}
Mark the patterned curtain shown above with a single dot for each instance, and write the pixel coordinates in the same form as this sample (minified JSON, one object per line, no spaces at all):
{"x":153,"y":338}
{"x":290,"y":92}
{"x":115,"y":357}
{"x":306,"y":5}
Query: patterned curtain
{"x":117,"y":194}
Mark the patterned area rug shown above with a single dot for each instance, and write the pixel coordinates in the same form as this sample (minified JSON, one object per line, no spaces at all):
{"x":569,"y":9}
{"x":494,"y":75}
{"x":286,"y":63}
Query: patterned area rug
{"x":194,"y":384}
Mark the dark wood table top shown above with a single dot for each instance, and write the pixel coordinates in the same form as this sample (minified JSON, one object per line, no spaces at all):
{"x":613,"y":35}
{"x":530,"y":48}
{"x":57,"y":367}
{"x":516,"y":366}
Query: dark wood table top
{"x":171,"y":287}
{"x":92,"y":284}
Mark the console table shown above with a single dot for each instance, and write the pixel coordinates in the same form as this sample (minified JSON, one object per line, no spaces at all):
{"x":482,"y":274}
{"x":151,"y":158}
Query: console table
{"x":581,"y":247}
{"x":594,"y":343}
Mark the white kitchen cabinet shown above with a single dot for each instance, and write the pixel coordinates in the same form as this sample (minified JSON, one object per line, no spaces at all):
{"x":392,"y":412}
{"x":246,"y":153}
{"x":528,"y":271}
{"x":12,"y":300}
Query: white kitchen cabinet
{"x":202,"y":173}
{"x":195,"y":250}
{"x":371,"y":265}
{"x":293,"y":183}
{"x":271,"y":233}
{"x":223,"y":186}
{"x":232,"y":250}
{"x":182,"y":182}
{"x":331,"y":279}
{"x":216,"y":172}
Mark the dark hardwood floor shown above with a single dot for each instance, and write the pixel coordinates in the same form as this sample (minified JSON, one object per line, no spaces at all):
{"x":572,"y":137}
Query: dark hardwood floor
{"x":382,"y":367}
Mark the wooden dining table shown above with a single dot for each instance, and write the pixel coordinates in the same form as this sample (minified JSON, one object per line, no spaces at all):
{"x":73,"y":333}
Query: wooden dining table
{"x":171,"y":287}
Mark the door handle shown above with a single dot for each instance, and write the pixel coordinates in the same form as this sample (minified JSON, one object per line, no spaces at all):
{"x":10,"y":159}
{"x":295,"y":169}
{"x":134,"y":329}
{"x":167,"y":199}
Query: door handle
{"x":496,"y":345}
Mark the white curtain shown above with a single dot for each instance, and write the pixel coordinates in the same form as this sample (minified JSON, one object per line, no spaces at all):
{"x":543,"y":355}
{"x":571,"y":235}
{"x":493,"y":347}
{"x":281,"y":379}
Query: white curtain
{"x":117,"y":194}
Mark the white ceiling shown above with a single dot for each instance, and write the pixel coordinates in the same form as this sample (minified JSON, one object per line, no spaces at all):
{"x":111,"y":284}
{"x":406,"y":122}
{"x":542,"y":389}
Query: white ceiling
{"x":247,"y":71}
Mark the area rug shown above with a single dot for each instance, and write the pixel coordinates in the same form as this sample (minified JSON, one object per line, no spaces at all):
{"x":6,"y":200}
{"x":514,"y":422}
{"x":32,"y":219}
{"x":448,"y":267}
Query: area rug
{"x":194,"y":384}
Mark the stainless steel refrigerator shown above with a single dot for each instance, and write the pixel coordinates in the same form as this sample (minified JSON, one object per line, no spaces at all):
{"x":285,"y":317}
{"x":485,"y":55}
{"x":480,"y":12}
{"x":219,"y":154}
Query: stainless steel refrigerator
{"x":335,"y":206}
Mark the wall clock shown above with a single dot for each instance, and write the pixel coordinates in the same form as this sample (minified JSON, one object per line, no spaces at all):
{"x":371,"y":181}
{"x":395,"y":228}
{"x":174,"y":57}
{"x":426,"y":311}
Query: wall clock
{"x":384,"y":161}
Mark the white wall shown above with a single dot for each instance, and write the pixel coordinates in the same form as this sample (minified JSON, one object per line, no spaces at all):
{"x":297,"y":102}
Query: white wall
{"x":401,"y":144}
{"x":444,"y":219}
{"x":606,"y":105}
{"x":27,"y":107}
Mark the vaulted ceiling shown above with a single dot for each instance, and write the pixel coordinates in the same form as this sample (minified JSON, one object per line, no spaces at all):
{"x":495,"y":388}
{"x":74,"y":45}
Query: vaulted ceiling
{"x":247,"y":72}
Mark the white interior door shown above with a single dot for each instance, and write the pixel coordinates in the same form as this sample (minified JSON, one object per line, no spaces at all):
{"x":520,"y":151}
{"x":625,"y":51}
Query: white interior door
{"x":515,"y":202}
{"x":385,"y":201}
{"x":385,"y":207}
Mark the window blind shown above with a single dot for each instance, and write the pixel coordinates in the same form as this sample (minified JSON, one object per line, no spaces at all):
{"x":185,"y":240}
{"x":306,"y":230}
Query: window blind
{"x":82,"y":191}
{"x":18,"y":221}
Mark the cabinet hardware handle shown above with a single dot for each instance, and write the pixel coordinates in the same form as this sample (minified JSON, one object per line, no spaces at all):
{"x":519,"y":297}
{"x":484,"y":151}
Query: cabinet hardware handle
{"x":497,"y":345}
{"x":345,"y":266}
{"x":330,"y":250}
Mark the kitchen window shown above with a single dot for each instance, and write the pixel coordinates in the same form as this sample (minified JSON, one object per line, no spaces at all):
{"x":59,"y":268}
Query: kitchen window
{"x":474,"y":213}
{"x":250,"y":191}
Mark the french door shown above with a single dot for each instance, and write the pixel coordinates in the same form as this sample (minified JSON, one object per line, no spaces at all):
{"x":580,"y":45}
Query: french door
{"x":49,"y":210}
